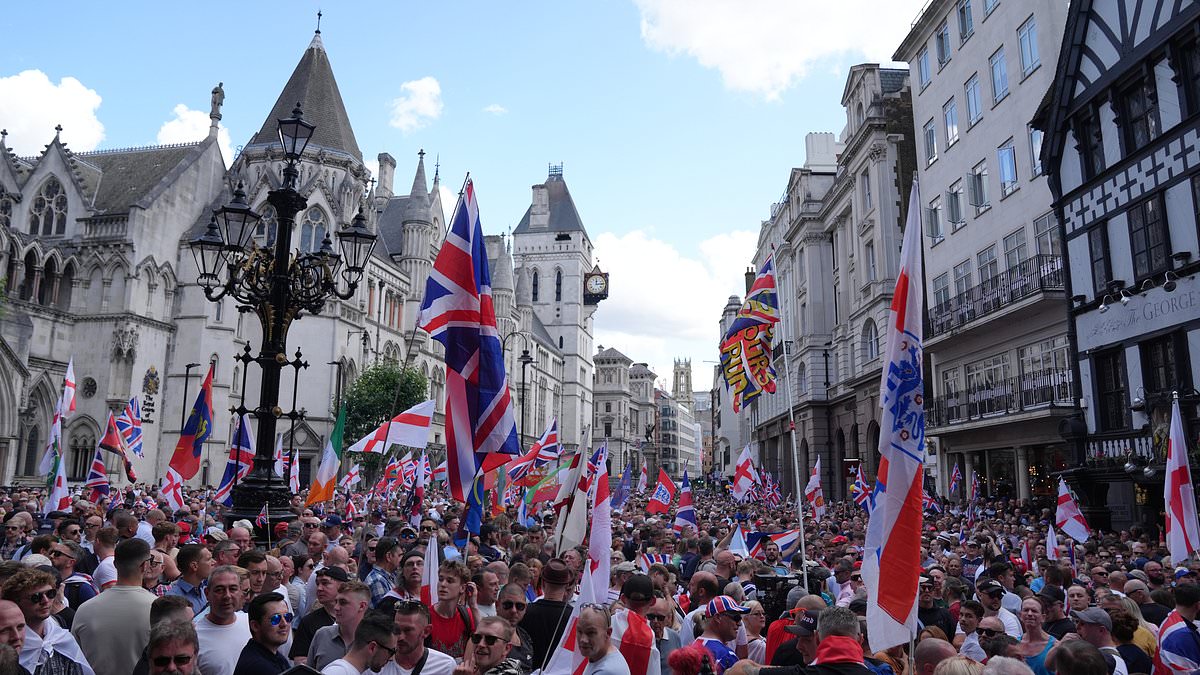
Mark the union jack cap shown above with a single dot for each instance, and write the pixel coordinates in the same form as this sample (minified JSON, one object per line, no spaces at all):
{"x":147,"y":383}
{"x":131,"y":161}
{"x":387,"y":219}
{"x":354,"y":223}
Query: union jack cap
{"x":724,"y":603}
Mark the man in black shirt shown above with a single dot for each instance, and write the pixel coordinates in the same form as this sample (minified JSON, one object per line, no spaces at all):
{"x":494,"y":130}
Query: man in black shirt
{"x":1053,"y":600}
{"x":329,"y":582}
{"x":270,"y":625}
{"x":1153,"y":612}
{"x":546,"y":620}
{"x":930,"y":614}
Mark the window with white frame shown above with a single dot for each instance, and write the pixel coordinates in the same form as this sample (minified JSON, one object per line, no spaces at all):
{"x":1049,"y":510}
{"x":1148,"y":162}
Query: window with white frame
{"x":870,"y":342}
{"x":1027,"y":34}
{"x":966,"y":23}
{"x":942,"y":42}
{"x":950,"y":121}
{"x":1046,"y":231}
{"x":933,"y":220}
{"x":974,"y":100}
{"x":1006,"y":157}
{"x":999,"y":69}
{"x":930,"y":136}
{"x":923,"y":67}
{"x":869,"y":256}
{"x":989,"y":6}
{"x":1016,"y":251}
{"x":864,"y":188}
{"x":954,"y":206}
{"x":941,"y":290}
{"x":989,"y":267}
{"x":962,"y":277}
{"x":1035,"y":151}
{"x":978,"y":187}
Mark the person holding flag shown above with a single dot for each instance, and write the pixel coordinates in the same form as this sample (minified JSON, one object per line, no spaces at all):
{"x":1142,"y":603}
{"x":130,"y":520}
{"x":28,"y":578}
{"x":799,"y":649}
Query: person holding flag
{"x":745,"y":476}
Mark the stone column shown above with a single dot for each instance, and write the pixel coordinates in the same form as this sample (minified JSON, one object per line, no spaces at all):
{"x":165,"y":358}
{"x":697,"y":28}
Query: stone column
{"x":55,"y":278}
{"x":14,"y":284}
{"x":1022,"y":476}
{"x":36,"y":286}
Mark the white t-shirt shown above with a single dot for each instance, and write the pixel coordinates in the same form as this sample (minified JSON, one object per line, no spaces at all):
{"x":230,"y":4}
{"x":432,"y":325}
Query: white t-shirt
{"x":437,"y":663}
{"x":105,"y":574}
{"x":613,"y":663}
{"x":340,"y":667}
{"x":220,"y":646}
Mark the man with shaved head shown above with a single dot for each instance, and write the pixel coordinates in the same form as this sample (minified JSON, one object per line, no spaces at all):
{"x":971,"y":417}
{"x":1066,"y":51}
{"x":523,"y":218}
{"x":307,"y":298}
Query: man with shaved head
{"x":702,"y":588}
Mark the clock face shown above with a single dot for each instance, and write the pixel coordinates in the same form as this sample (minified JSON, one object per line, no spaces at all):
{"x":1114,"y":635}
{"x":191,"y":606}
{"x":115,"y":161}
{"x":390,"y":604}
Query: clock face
{"x":596,"y":284}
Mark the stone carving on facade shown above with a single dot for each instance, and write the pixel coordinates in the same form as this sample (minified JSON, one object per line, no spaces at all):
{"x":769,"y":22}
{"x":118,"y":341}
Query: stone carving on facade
{"x":878,"y":152}
{"x":124,"y":342}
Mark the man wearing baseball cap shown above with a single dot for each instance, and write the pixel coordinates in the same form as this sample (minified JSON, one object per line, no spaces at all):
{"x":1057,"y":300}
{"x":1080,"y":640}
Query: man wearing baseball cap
{"x":803,"y":649}
{"x":991,"y":595}
{"x":724,"y":619}
{"x":1095,"y":626}
{"x":1053,"y":601}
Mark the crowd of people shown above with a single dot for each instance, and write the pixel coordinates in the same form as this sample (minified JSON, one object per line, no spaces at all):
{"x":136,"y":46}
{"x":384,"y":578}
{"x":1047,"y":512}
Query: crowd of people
{"x":128,"y":586}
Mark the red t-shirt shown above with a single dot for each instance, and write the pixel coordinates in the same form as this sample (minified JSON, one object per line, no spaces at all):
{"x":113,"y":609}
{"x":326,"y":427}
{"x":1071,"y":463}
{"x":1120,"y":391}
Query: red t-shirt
{"x":450,"y":636}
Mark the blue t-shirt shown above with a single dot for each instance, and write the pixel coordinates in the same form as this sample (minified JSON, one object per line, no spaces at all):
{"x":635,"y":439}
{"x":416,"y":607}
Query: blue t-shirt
{"x":722,"y":655}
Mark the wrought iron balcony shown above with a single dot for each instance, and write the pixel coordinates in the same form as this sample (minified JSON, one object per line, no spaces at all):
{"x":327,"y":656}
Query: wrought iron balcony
{"x":1032,"y":391}
{"x":1036,"y":275}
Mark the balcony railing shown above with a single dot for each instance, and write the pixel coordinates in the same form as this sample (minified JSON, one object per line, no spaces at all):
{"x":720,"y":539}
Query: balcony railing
{"x":1138,"y":443}
{"x":1035,"y":275}
{"x":1031,"y":391}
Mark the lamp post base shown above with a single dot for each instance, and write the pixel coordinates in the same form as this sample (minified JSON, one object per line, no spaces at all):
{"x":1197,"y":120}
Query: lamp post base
{"x":251,"y":494}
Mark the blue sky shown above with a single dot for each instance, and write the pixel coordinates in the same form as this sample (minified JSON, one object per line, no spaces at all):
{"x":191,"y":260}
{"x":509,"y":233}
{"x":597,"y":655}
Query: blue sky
{"x":677,"y":121}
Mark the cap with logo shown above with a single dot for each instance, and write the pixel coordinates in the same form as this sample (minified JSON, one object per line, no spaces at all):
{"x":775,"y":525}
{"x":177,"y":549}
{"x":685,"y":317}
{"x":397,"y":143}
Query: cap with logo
{"x":805,"y":623}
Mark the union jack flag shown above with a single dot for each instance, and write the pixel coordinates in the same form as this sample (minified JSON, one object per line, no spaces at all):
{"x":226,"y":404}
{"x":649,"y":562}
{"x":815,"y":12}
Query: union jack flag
{"x":976,"y":488}
{"x":391,"y":474}
{"x":648,"y":559}
{"x":547,"y":446}
{"x":862,"y":492}
{"x":129,"y":423}
{"x":241,"y":460}
{"x":930,"y":502}
{"x":955,"y":479}
{"x":264,"y":518}
{"x":97,"y":480}
{"x":774,"y":495}
{"x":458,"y":312}
{"x":408,"y":471}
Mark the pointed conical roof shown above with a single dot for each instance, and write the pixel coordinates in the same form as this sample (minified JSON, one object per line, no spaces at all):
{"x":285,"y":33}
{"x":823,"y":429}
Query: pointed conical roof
{"x":417,"y":207}
{"x":313,"y":86}
{"x":502,"y":270}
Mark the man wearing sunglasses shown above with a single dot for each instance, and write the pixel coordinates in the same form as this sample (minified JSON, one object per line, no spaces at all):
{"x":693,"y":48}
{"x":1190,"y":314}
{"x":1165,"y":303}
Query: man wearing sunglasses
{"x":411,"y":628}
{"x":113,"y":628}
{"x":33,"y":591}
{"x":724,"y":620}
{"x":174,"y":648}
{"x":487,"y":653}
{"x":270,"y":625}
{"x":511,"y":606}
{"x":373,"y":647}
{"x":928,"y":613}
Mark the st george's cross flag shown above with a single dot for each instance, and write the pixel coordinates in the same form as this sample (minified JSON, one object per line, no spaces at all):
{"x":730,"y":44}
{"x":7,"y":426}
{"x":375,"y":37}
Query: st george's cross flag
{"x":1068,"y":517}
{"x":893,"y":543}
{"x":69,"y":388}
{"x":745,"y":476}
{"x":429,"y":575}
{"x":813,"y":493}
{"x":410,"y":429}
{"x":685,"y":515}
{"x":280,"y":458}
{"x":458,"y":312}
{"x":1179,"y":493}
{"x":663,"y":495}
{"x":352,"y":477}
{"x":241,"y":460}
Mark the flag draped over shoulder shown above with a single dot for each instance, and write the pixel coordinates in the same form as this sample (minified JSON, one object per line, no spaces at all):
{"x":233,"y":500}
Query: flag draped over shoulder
{"x":457,"y":311}
{"x":1179,"y":493}
{"x":186,"y":460}
{"x":746,"y":345}
{"x":893,"y":543}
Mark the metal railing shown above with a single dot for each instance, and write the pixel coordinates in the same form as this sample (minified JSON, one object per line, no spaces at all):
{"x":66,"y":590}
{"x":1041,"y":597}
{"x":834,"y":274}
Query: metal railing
{"x":1041,"y":389}
{"x":1137,"y":443}
{"x":1035,"y":275}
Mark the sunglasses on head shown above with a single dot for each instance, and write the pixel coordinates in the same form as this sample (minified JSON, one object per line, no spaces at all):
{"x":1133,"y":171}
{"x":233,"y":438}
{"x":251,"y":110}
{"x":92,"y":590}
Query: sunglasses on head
{"x":164,"y":661}
{"x":483,"y":637}
{"x":276,"y":619}
{"x":510,"y":604}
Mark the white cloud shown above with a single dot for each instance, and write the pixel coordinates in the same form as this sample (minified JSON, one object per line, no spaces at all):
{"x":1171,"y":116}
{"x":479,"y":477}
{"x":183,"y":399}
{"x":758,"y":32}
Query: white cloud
{"x":766,"y":46}
{"x":31,"y":105}
{"x":420,"y":103}
{"x":495,"y":109}
{"x":190,"y":126}
{"x":664,"y":305}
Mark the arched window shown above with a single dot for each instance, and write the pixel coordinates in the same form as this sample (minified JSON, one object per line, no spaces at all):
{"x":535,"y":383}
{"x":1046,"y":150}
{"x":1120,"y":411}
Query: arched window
{"x":32,"y":450}
{"x":535,"y":285}
{"x":802,"y":378}
{"x":560,"y":342}
{"x":870,"y":342}
{"x":859,"y":117}
{"x":312,"y":230}
{"x":267,"y":227}
{"x":558,"y":285}
{"x":83,"y":448}
{"x":48,"y":212}
{"x":6,"y":209}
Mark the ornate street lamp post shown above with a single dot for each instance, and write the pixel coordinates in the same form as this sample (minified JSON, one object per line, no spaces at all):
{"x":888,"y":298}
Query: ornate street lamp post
{"x":277,"y":284}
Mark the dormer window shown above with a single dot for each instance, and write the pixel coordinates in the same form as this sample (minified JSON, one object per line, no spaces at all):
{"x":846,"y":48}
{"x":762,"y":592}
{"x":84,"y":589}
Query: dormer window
{"x":48,"y":212}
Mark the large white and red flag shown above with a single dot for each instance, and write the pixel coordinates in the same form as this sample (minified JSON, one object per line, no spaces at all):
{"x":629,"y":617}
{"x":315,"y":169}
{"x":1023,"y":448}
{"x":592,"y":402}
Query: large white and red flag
{"x":1051,"y":542}
{"x":664,"y":493}
{"x":745,"y":476}
{"x":643,"y":480}
{"x":69,"y":388}
{"x":813,"y":493}
{"x":893,"y":541}
{"x":410,"y":428}
{"x":1068,"y":517}
{"x":429,"y":573}
{"x":1179,"y":494}
{"x":457,"y":311}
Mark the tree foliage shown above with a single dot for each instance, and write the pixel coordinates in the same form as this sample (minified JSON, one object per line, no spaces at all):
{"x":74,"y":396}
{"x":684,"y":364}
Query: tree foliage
{"x":381,"y":392}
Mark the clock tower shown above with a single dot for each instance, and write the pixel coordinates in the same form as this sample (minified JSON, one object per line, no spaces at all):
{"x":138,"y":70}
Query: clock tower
{"x":552,"y":248}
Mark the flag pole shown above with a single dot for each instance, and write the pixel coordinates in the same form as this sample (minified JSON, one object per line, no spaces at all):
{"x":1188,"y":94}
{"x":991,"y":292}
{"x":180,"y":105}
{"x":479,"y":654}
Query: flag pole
{"x":787,"y":370}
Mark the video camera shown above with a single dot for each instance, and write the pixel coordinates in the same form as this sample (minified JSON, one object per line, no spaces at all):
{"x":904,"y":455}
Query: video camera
{"x":773,"y":589}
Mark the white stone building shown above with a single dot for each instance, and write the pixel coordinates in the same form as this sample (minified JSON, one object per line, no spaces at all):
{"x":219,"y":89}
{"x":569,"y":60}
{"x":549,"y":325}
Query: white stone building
{"x":996,"y":346}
